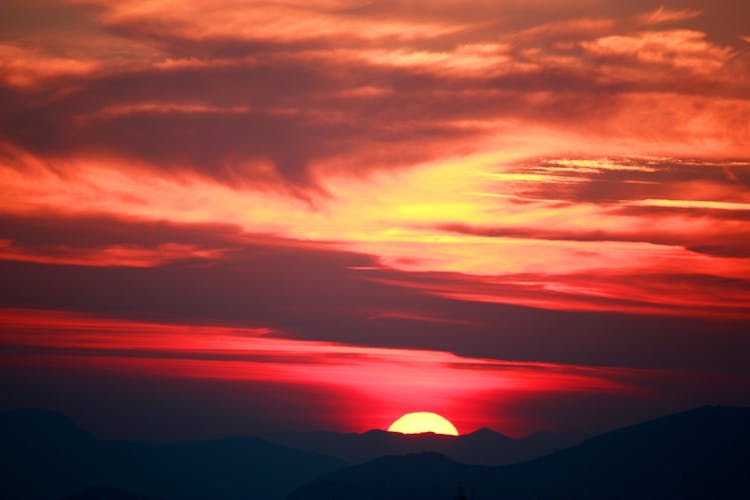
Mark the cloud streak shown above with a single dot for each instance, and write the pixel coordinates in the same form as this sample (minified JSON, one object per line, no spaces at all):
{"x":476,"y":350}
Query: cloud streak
{"x":378,"y":382}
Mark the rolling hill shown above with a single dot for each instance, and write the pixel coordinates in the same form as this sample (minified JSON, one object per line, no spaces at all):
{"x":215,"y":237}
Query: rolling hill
{"x":45,"y":455}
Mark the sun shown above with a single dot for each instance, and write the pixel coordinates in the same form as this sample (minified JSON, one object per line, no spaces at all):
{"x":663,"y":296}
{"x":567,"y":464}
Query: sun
{"x":422,"y":421}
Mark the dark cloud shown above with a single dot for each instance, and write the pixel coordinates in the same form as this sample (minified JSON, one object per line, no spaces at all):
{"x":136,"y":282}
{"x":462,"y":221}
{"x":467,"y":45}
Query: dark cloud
{"x":640,"y":179}
{"x":688,"y":212}
{"x":96,"y":231}
{"x":721,"y":244}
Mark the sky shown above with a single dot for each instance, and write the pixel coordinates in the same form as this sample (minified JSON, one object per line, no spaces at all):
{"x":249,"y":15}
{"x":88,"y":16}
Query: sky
{"x":259,"y":216}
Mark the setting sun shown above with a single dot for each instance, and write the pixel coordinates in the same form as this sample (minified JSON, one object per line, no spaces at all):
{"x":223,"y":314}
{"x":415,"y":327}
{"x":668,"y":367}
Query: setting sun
{"x":419,"y":422}
{"x":331,"y":224}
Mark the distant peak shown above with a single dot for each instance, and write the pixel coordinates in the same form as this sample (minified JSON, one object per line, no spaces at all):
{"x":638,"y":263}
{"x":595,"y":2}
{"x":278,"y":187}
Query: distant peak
{"x":484,"y":431}
{"x":379,"y":432}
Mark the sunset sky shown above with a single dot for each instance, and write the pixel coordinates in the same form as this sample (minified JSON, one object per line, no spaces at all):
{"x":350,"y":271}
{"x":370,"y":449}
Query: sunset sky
{"x":239,"y":217}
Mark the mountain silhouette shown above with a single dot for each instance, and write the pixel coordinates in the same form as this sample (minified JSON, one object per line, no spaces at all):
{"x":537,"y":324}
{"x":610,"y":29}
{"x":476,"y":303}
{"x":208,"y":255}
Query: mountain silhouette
{"x":702,"y":453}
{"x":45,"y":455}
{"x":482,"y":447}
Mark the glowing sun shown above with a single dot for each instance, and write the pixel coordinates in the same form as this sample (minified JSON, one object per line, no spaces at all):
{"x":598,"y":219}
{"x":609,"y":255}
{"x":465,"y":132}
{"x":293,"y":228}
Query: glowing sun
{"x":416,"y":423}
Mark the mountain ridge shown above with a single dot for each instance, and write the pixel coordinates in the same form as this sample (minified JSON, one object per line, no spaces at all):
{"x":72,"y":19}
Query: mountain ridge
{"x":482,"y":447}
{"x":700,"y":453}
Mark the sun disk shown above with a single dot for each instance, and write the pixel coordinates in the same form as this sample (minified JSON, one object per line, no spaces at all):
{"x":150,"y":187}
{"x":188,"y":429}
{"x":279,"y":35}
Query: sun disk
{"x":419,"y":422}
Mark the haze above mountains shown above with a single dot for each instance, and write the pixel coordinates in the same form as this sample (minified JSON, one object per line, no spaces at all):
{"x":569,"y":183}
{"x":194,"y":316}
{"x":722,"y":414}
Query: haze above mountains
{"x":702,"y":453}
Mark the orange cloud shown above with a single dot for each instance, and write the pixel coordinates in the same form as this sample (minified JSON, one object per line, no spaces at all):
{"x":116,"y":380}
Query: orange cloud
{"x":415,"y":221}
{"x":662,"y":15}
{"x":117,"y":255}
{"x":680,"y":49}
{"x":24,"y":67}
{"x":274,"y":21}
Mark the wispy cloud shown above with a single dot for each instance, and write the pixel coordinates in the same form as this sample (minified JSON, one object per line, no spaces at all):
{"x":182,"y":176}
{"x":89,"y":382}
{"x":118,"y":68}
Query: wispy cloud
{"x":662,"y":15}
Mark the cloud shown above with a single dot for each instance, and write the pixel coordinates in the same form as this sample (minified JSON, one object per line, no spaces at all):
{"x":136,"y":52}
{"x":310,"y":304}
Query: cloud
{"x":93,"y":240}
{"x":276,"y":103}
{"x":723,"y":244}
{"x":97,"y":230}
{"x":560,"y":217}
{"x":678,"y":49}
{"x":327,"y":295}
{"x":25,"y":68}
{"x":662,"y":15}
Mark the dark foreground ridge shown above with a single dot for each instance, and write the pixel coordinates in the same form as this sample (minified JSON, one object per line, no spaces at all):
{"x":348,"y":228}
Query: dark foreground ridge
{"x":107,"y":493}
{"x":45,"y":455}
{"x":698,"y":454}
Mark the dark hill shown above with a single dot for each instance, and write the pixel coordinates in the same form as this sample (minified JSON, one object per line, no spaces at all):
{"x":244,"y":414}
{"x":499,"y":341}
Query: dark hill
{"x":107,"y":493}
{"x":703,"y":453}
{"x":482,"y":447}
{"x":425,"y":476}
{"x":44,"y":455}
